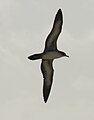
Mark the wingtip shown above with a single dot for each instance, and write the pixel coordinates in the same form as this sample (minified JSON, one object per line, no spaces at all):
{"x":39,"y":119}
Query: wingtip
{"x":59,"y":11}
{"x":45,"y":100}
{"x":45,"y":96}
{"x":59,"y":15}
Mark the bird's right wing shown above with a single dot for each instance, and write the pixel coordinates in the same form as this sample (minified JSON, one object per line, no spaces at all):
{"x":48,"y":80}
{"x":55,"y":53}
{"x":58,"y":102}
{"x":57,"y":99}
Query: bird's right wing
{"x":47,"y":71}
{"x":51,"y":41}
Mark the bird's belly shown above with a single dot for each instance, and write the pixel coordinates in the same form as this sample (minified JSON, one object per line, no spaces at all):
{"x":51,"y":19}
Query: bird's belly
{"x":51,"y":55}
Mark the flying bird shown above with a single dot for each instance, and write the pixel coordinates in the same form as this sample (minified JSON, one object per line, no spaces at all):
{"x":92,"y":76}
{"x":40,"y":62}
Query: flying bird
{"x":49,"y":54}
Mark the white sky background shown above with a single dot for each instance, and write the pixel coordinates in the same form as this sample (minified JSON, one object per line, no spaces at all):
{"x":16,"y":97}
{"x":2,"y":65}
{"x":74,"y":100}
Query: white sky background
{"x":24,"y":26}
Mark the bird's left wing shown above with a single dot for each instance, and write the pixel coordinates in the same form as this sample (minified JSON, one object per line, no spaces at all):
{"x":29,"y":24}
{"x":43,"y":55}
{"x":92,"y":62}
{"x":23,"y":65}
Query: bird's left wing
{"x":47,"y":71}
{"x":51,"y":41}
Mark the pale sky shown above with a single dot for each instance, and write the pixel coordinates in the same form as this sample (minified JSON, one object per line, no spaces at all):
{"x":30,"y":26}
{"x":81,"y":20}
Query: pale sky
{"x":24,"y":26}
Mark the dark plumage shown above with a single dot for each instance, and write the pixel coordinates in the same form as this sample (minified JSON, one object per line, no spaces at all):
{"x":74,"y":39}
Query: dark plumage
{"x":49,"y":54}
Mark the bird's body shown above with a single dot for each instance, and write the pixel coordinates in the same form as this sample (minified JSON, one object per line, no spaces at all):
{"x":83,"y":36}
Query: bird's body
{"x":52,"y":55}
{"x":49,"y":54}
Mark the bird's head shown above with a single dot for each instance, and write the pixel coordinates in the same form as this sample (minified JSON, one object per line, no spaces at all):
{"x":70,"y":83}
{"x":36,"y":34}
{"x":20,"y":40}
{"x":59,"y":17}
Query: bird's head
{"x":64,"y":54}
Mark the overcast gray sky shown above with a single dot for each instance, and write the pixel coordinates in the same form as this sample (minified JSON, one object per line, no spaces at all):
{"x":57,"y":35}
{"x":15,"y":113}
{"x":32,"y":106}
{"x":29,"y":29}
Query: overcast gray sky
{"x":24,"y":26}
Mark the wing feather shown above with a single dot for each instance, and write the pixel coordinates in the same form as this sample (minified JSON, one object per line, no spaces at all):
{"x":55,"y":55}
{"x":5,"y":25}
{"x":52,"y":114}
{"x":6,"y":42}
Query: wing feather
{"x":47,"y":71}
{"x":51,"y":41}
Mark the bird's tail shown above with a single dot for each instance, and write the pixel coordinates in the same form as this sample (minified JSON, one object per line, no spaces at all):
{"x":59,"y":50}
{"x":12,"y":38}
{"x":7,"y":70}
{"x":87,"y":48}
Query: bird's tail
{"x":35,"y":56}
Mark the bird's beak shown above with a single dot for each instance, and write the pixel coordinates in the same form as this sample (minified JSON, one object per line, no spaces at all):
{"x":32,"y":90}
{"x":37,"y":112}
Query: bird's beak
{"x":67,"y":56}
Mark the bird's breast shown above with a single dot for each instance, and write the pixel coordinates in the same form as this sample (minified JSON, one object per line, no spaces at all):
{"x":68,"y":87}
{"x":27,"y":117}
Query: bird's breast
{"x":51,"y":55}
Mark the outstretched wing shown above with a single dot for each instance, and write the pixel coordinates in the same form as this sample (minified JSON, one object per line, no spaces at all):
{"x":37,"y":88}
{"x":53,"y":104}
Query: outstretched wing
{"x":47,"y":71}
{"x":51,"y":41}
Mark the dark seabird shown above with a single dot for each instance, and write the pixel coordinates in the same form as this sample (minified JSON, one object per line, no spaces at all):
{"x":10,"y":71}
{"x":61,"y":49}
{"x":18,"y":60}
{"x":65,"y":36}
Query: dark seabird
{"x":49,"y":54}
